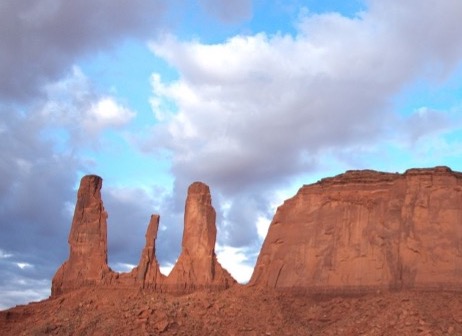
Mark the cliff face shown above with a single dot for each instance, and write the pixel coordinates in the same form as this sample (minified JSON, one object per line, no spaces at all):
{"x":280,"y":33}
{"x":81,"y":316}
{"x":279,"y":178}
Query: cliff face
{"x":366,"y":229}
{"x":197,"y":266}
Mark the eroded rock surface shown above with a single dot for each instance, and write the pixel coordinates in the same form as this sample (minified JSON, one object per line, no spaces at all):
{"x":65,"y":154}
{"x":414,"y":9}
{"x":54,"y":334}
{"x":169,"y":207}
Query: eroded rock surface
{"x":148,"y":273}
{"x":366,"y":230}
{"x":87,"y":263}
{"x":197,"y":266}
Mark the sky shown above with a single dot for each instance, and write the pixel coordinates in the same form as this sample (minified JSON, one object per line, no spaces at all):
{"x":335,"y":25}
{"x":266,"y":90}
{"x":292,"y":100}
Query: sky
{"x":254,"y":98}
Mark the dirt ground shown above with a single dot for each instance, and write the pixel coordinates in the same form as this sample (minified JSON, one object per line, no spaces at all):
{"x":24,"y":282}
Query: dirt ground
{"x":237,"y":311}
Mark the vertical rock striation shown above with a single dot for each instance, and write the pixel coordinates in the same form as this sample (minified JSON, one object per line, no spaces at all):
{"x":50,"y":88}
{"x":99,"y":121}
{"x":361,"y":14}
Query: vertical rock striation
{"x":87,"y":263}
{"x":366,"y":230}
{"x":197,"y":266}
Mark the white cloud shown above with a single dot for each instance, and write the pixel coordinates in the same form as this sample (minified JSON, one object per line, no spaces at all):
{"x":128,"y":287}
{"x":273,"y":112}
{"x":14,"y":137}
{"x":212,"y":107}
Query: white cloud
{"x":262,"y":224}
{"x":5,"y":255}
{"x":122,"y":267}
{"x":106,"y":112}
{"x":165,"y":269}
{"x":74,"y":106}
{"x":235,"y":261}
{"x":41,"y":39}
{"x":244,"y":102}
{"x":21,"y":290}
{"x":251,"y":114}
{"x":24,"y":265}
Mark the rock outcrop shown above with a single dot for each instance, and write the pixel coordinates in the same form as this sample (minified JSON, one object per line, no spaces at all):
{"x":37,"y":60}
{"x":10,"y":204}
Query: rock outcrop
{"x":358,"y":231}
{"x":367,"y":230}
{"x":87,"y":263}
{"x":147,"y":273}
{"x":197,"y":266}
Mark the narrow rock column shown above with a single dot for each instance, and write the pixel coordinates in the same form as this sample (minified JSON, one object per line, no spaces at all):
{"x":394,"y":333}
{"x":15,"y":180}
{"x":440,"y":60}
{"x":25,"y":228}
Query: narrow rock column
{"x":87,"y":263}
{"x":147,"y":272}
{"x":197,"y":266}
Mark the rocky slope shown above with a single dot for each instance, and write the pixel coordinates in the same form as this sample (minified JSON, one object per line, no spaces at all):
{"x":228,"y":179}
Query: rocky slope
{"x":364,"y":230}
{"x":242,"y":311}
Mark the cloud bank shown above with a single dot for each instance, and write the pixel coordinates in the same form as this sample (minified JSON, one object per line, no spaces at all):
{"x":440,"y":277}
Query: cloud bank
{"x":251,"y":115}
{"x":40,"y":39}
{"x":256,"y":111}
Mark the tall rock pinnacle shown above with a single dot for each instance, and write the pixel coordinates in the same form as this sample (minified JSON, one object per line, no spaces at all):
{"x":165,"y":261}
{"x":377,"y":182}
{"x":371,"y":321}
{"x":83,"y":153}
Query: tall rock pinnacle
{"x":148,"y":272}
{"x":87,"y":263}
{"x":197,"y":266}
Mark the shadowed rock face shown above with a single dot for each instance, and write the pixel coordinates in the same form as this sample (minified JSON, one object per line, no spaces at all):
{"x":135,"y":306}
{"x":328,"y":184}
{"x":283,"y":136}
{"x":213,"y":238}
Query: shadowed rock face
{"x":87,"y":263}
{"x":365,"y":229}
{"x":197,"y":266}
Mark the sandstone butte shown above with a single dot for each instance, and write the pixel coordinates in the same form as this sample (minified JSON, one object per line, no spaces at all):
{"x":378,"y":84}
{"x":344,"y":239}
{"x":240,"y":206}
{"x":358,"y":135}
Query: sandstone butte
{"x":367,"y":230}
{"x":358,"y":231}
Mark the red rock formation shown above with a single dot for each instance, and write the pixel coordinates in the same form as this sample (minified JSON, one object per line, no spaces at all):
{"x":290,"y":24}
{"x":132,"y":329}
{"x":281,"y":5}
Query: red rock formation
{"x":147,"y":273}
{"x":87,"y":266}
{"x":365,"y":229}
{"x":87,"y":263}
{"x":197,"y":266}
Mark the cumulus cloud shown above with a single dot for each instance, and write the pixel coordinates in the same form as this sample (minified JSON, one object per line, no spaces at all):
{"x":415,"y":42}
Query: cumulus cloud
{"x":255,"y":111}
{"x":51,"y":114}
{"x":106,"y":112}
{"x":73,"y":105}
{"x":35,"y":185}
{"x":40,"y":143}
{"x":250,"y":114}
{"x":238,"y":261}
{"x":40,"y":39}
{"x":129,"y":211}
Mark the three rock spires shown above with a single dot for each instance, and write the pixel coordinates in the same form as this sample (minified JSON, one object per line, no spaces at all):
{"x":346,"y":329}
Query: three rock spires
{"x":197,"y":267}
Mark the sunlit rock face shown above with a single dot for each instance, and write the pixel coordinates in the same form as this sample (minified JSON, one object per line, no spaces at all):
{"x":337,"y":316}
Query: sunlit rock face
{"x":366,"y":230}
{"x":197,"y":266}
{"x":87,"y":263}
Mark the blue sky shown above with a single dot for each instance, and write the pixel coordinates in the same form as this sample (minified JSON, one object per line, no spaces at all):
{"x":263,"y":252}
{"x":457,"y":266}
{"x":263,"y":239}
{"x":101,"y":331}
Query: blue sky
{"x":254,"y":98}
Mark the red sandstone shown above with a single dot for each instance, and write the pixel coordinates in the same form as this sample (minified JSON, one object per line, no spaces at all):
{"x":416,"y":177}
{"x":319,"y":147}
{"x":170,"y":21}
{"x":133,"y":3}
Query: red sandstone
{"x":197,"y":267}
{"x":365,"y":230}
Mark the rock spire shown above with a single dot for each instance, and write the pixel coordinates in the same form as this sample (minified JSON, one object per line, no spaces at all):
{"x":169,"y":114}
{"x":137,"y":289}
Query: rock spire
{"x":148,"y":273}
{"x":197,"y":266}
{"x":87,"y":263}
